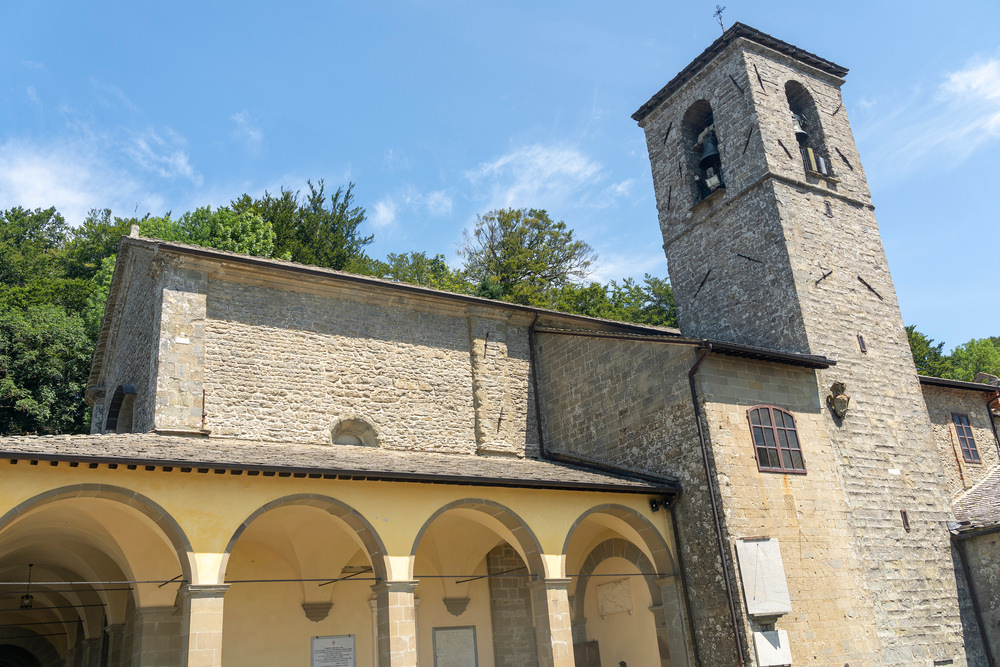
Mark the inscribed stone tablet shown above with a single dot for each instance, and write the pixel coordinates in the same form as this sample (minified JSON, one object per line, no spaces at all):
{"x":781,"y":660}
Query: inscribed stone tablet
{"x":335,"y":651}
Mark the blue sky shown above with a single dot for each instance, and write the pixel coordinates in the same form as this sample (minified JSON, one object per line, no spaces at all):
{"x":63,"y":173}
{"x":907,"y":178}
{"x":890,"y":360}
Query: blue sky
{"x":439,"y":111}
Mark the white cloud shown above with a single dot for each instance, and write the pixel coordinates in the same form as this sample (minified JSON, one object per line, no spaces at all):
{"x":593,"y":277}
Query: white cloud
{"x":31,"y":64}
{"x":72,"y":175}
{"x":33,"y":96}
{"x":385,"y":214}
{"x":246,"y":130}
{"x":553,"y":177}
{"x":110,"y":95}
{"x":615,"y":265}
{"x":438,"y":203}
{"x":163,"y":154}
{"x":961,"y":117}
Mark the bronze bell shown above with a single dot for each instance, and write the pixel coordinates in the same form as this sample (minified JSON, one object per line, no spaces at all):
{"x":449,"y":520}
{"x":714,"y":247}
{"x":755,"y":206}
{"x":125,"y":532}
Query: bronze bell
{"x":798,"y":123}
{"x":709,"y":151}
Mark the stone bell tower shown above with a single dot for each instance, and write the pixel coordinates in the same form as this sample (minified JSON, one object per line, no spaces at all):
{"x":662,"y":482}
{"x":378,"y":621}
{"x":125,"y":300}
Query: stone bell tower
{"x":771,"y":241}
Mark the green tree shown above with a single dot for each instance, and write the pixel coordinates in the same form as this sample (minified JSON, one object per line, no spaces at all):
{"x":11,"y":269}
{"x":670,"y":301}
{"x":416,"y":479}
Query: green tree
{"x":244,"y":232}
{"x":524,"y":256}
{"x":928,"y":357}
{"x":979,"y":355}
{"x":310,"y":230}
{"x":95,"y":240}
{"x":415,"y":268}
{"x":651,"y":302}
{"x":45,"y":358}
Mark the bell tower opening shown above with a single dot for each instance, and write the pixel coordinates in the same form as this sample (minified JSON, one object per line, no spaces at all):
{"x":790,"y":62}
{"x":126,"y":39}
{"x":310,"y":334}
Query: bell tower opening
{"x":808,"y":129}
{"x":702,"y":150}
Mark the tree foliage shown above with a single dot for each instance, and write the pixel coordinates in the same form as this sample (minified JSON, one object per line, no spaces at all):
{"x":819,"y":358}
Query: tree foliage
{"x":44,"y":362}
{"x":965,"y":361}
{"x":308,"y":230}
{"x":523,"y":256}
{"x":651,"y":302}
{"x":415,"y":268}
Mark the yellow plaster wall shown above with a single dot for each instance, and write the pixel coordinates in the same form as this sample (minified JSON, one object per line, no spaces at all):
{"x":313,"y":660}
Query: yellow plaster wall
{"x":622,"y":636}
{"x":210,"y":507}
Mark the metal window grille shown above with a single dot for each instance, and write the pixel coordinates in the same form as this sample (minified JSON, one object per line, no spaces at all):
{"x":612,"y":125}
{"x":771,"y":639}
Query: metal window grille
{"x":776,"y":442}
{"x":964,"y":431}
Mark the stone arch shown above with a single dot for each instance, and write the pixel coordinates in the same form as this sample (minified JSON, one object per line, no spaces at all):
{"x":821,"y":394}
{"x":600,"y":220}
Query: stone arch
{"x":355,"y":521}
{"x":613,"y":548}
{"x":802,"y":104}
{"x":164,"y":521}
{"x":32,"y":643}
{"x":697,"y":131}
{"x":645,"y":547}
{"x":659,"y":551}
{"x":525,"y":541}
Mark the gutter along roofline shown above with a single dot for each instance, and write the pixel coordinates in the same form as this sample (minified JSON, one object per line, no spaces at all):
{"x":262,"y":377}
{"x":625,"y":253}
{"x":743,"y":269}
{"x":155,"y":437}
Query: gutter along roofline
{"x":656,"y":486}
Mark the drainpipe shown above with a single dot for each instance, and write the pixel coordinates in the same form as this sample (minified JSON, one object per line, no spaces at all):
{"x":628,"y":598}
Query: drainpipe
{"x":715,"y":507}
{"x":989,"y":415}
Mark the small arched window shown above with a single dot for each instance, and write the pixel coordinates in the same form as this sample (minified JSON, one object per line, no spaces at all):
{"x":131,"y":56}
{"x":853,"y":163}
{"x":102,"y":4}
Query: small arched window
{"x":702,"y":149}
{"x":120,"y":410}
{"x":354,"y":430}
{"x":804,"y":121}
{"x":776,"y":443}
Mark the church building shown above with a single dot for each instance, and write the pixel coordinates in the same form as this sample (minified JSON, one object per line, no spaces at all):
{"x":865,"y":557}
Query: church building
{"x":294,"y":465}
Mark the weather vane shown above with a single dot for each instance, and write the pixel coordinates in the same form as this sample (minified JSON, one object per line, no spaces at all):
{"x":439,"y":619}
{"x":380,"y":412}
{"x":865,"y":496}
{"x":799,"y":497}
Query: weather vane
{"x":718,"y":16}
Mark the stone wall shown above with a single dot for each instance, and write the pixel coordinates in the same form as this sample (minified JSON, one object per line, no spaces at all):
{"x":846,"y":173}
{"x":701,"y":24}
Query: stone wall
{"x":510,"y":610}
{"x":982,"y":551}
{"x":132,"y":341}
{"x":941,"y":403}
{"x":284,"y":364}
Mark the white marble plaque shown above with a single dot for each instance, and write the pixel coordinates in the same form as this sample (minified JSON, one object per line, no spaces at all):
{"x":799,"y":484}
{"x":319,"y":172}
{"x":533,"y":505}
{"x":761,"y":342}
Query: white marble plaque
{"x":763,"y":577}
{"x":335,"y":651}
{"x":772,"y":648}
{"x":455,"y":647}
{"x":614,"y":597}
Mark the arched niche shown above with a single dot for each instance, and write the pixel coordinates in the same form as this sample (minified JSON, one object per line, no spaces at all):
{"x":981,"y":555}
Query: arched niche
{"x":701,"y":148}
{"x":804,"y":121}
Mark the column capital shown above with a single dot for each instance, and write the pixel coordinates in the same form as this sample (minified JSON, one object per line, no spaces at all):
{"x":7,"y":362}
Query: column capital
{"x":189,"y":591}
{"x":395,"y":586}
{"x":554,"y":584}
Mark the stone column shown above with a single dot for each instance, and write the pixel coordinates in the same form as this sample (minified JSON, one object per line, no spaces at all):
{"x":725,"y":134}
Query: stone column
{"x":201,"y":628}
{"x":397,"y":623}
{"x":90,"y":651}
{"x":116,"y":638}
{"x":553,"y":624}
{"x":155,"y":633}
{"x":670,"y":622}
